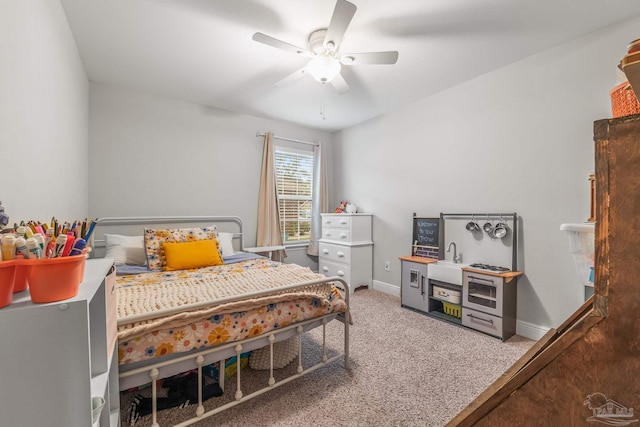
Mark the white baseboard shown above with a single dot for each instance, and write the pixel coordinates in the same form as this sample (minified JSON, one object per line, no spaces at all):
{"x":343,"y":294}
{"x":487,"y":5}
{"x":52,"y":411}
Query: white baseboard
{"x":524,"y":329}
{"x":387,"y":288}
{"x":529,"y":330}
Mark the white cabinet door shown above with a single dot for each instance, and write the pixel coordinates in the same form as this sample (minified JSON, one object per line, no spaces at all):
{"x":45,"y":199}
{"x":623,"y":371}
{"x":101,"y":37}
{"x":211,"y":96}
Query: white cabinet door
{"x":414,"y":286}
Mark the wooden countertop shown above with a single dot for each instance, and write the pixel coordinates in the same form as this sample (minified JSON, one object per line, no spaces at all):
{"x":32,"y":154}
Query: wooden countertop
{"x":506,"y":275}
{"x":420,"y":259}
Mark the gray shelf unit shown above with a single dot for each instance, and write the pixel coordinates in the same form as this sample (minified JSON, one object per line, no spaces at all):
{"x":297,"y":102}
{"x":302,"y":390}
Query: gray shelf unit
{"x":59,"y":355}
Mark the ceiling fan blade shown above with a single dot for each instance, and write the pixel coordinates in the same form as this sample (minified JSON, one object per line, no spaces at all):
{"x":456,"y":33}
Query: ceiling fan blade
{"x":339,"y":84}
{"x":279,"y":44}
{"x":390,"y":57}
{"x":292,"y":77}
{"x":342,"y":15}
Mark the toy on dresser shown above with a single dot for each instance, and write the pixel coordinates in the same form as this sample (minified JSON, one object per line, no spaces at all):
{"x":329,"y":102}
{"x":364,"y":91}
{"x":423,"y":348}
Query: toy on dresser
{"x":346,"y":207}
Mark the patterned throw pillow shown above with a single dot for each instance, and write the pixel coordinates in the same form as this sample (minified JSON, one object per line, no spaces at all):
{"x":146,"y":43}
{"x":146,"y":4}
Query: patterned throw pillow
{"x":154,"y":237}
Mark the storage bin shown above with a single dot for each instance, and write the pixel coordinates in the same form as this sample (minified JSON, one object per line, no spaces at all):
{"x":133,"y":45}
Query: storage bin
{"x":624,"y":101}
{"x":7,"y":280}
{"x":21,"y":283}
{"x":446,"y":294}
{"x":582,"y":246}
{"x":55,"y":279}
{"x":452,"y":310}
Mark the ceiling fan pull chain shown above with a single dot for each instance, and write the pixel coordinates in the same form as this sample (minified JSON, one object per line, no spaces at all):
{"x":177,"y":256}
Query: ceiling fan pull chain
{"x":324,"y":85}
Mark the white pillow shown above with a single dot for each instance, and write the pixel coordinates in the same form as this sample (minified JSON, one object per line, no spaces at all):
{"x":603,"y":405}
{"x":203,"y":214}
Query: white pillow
{"x":125,"y":249}
{"x":225,"y":240}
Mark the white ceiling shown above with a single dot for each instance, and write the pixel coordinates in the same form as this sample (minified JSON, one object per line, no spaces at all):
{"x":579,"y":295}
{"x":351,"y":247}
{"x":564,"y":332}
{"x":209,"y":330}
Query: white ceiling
{"x":201,"y":51}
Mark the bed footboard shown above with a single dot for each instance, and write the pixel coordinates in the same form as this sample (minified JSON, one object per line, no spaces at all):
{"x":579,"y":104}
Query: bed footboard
{"x":219,"y":354}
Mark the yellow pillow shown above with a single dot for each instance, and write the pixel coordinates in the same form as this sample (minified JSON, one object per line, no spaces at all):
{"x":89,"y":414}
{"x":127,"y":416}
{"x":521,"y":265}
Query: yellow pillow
{"x":195,"y":254}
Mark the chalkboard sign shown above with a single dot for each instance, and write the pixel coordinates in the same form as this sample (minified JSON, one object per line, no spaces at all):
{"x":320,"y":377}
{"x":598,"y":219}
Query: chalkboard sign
{"x":426,"y":231}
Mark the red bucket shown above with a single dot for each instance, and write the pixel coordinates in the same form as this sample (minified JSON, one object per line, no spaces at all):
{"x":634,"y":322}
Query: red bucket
{"x":55,"y":279}
{"x":7,"y":280}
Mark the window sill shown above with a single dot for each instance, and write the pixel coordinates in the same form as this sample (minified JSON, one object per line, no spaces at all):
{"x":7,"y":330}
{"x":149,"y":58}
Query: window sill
{"x":296,"y":245}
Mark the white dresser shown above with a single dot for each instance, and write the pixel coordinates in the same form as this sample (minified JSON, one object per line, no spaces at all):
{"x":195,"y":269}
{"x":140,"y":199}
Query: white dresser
{"x":346,"y":248}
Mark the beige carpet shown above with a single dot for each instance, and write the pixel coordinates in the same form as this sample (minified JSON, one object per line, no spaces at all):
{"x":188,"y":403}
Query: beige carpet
{"x":407,"y":370}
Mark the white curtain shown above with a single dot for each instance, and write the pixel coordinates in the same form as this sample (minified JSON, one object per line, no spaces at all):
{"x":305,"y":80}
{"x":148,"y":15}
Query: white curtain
{"x":269,"y":232}
{"x":320,"y":201}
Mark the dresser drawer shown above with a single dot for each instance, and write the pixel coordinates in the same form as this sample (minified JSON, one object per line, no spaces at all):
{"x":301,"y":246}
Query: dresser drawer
{"x":482,"y":322}
{"x":335,"y":252}
{"x":337,"y":234}
{"x":336,"y":221}
{"x":330,"y":268}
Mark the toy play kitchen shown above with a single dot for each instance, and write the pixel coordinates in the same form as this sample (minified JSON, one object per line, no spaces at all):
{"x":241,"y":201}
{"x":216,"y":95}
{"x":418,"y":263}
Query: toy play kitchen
{"x":468,"y":274}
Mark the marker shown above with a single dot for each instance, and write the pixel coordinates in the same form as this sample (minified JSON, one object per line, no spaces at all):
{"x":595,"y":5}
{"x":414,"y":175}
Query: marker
{"x":78,"y":247}
{"x":49,"y":251}
{"x":49,"y":241}
{"x":21,"y":231}
{"x":40,"y":239}
{"x":8,"y":247}
{"x":91,"y":227}
{"x":61,"y":240}
{"x":33,"y":248}
{"x":68,"y":245}
{"x":21,"y":247}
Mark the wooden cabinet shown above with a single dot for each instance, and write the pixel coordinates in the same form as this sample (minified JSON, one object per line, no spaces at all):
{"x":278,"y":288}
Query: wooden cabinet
{"x":346,"y":248}
{"x":56,"y":357}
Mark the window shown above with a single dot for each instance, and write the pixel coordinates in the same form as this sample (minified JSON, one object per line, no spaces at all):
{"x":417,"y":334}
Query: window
{"x":294,"y":175}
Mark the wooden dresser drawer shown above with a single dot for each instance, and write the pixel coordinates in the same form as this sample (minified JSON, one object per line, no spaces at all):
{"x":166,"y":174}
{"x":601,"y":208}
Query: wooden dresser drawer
{"x":337,"y":234}
{"x":329,"y":268}
{"x":336,"y":221}
{"x":335,"y":252}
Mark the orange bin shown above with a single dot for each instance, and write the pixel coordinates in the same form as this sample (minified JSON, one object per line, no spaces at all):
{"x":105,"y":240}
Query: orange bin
{"x":20,"y":283}
{"x":55,"y":279}
{"x":7,"y":279}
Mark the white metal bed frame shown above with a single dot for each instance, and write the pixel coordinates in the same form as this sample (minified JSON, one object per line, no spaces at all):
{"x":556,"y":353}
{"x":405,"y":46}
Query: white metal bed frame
{"x":154,"y":369}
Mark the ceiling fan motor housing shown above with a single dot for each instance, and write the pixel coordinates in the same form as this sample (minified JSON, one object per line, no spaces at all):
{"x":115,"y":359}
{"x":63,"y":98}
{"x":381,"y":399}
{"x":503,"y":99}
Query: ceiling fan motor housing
{"x":317,"y":45}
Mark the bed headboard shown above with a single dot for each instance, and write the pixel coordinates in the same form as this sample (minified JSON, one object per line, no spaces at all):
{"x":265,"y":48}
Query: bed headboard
{"x":134,"y":226}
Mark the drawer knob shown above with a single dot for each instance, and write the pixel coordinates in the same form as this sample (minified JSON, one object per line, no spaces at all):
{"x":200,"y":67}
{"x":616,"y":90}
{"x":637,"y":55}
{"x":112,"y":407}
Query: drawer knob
{"x":340,"y":273}
{"x":325,"y":268}
{"x":325,"y":251}
{"x":343,"y":221}
{"x":343,"y":235}
{"x":340,"y":254}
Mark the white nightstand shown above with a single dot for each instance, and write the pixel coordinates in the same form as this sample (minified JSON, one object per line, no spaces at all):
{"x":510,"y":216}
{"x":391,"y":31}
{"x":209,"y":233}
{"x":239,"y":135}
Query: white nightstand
{"x":266,"y":250}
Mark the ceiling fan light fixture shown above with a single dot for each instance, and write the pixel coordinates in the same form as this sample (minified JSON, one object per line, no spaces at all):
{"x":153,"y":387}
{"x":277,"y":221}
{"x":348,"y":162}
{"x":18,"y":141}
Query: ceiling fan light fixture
{"x":324,"y":68}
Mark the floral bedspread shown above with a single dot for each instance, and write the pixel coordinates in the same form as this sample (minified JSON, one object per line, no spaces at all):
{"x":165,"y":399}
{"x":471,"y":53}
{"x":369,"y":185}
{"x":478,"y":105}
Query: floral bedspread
{"x":223,"y":326}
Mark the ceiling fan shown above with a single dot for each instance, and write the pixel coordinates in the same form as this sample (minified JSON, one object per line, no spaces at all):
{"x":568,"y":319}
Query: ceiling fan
{"x":324,"y":45}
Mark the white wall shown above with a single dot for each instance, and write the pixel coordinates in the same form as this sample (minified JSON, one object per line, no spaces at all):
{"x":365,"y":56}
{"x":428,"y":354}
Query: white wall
{"x":517,"y":139}
{"x":44,"y":96}
{"x":151,"y":155}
